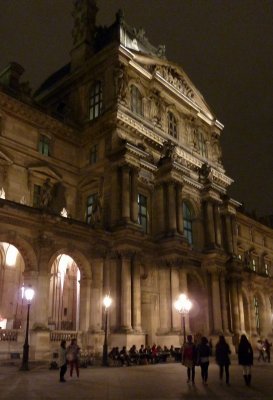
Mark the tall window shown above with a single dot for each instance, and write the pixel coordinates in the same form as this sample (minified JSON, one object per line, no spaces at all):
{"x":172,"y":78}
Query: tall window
{"x":91,"y":201}
{"x":136,"y":100}
{"x":93,"y":158}
{"x":257,"y":313}
{"x":44,"y":145}
{"x":253,"y":264}
{"x":36,"y":195}
{"x":201,"y":144}
{"x":187,"y":221}
{"x":142,"y":212}
{"x":172,"y":125}
{"x":95,"y":101}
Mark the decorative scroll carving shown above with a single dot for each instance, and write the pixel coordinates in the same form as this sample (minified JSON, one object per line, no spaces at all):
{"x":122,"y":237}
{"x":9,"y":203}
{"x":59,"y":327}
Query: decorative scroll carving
{"x":176,"y":80}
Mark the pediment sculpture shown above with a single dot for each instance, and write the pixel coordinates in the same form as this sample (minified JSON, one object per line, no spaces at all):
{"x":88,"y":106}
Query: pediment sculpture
{"x":175,"y":79}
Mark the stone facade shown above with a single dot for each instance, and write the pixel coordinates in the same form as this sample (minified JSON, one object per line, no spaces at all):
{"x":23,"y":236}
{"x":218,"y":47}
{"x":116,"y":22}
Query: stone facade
{"x":112,"y":182}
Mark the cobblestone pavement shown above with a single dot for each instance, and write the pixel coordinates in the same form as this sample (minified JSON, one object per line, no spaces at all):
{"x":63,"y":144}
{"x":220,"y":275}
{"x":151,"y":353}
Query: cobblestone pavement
{"x":149,"y":382}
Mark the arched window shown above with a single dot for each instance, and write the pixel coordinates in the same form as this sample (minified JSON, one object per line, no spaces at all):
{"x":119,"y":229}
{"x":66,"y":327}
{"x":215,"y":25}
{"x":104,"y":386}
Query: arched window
{"x":136,"y":100}
{"x":202,"y":144}
{"x":187,"y":223}
{"x":172,"y":125}
{"x":95,"y":101}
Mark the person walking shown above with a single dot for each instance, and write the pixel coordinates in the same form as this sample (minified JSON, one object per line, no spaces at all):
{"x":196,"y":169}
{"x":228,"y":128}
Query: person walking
{"x":73,"y":355}
{"x":222,"y":352}
{"x":62,"y":360}
{"x":189,"y":358}
{"x":245,"y":358}
{"x":203,"y":353}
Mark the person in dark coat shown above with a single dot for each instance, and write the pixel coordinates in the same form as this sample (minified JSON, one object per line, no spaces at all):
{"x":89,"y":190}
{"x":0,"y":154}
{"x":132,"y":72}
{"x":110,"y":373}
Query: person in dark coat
{"x":203,"y":353}
{"x":222,"y":352}
{"x":189,"y":358}
{"x":245,"y":358}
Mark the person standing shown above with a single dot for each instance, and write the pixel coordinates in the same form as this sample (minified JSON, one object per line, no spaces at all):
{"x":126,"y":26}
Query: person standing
{"x":62,"y":360}
{"x":189,"y":358}
{"x":245,"y":358}
{"x":73,"y":355}
{"x":222,"y":352}
{"x":267,"y":349}
{"x":260,"y":349}
{"x":203,"y":353}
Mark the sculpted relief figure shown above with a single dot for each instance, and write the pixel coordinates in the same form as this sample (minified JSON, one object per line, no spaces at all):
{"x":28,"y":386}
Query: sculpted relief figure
{"x":205,"y":173}
{"x":121,"y":82}
{"x":156,"y":107}
{"x":171,"y":76}
{"x":216,"y":152}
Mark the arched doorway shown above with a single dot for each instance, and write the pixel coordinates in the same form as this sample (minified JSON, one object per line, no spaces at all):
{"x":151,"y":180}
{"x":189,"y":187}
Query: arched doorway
{"x":64,"y":294}
{"x":11,"y":282}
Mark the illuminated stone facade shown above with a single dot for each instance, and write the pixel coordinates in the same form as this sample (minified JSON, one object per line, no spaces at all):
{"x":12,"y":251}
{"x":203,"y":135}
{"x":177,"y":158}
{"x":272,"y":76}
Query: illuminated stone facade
{"x":113,"y":182}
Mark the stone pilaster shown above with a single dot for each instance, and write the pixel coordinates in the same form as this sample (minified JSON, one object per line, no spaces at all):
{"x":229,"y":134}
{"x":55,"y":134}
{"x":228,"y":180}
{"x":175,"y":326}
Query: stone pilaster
{"x":134,"y":193}
{"x":85,"y":304}
{"x":216,"y":301}
{"x":229,"y":233}
{"x":126,"y":292}
{"x":209,"y":225}
{"x":224,"y":304}
{"x":125,"y":210}
{"x":234,"y":305}
{"x":179,"y":210}
{"x":176,"y":318}
{"x":96,"y":295}
{"x":136,"y":296}
{"x":159,"y":206}
{"x":172,"y":227}
{"x":217,"y":220}
{"x":164,"y":300}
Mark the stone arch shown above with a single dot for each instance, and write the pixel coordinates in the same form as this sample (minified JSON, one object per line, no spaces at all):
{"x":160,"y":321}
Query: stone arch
{"x":199,"y":311}
{"x":80,"y":259}
{"x":24,"y":247}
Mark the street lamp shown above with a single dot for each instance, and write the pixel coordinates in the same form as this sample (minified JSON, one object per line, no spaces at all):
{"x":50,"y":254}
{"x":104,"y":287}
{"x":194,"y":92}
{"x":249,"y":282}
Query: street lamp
{"x":183,"y":306}
{"x":107,"y":301}
{"x":28,"y":294}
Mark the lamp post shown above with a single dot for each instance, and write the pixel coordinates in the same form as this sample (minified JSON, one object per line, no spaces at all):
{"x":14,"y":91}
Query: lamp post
{"x":107,"y":301}
{"x":183,"y":306}
{"x":28,"y":294}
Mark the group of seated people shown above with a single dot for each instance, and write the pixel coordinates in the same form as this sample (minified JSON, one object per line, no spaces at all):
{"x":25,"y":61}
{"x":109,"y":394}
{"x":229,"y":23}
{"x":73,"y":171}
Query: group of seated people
{"x":145,"y":355}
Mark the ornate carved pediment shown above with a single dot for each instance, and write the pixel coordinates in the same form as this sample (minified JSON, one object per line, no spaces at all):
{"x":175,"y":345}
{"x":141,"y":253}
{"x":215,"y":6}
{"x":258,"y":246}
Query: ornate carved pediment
{"x":175,"y":79}
{"x":44,"y":171}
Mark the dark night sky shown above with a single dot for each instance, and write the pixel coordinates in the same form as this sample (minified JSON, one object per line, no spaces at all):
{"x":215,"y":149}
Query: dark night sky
{"x":225,"y":46}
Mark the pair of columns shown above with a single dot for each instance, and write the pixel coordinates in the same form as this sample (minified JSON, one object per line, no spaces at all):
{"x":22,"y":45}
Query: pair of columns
{"x":212,"y":224}
{"x":125,"y":191}
{"x":169,"y":208}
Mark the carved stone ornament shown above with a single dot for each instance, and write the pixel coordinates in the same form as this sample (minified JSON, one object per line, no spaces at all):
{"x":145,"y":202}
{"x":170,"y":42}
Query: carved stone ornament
{"x":168,"y":152}
{"x":176,"y":80}
{"x":157,"y":107}
{"x":205,"y":174}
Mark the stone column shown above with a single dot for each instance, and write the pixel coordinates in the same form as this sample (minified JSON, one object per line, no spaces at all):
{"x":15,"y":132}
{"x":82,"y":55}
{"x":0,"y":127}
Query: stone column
{"x":115,"y":291}
{"x":180,"y":223}
{"x":125,"y":193}
{"x":134,"y":193}
{"x":172,"y":228}
{"x":216,"y":309}
{"x":136,"y":296}
{"x":41,"y":299}
{"x":159,"y":206}
{"x":217,"y":219}
{"x":209,"y":224}
{"x":164,"y":300}
{"x":224,"y":304}
{"x":115,"y":196}
{"x":96,"y":295}
{"x":241,"y":307}
{"x":234,"y":235}
{"x":234,"y":305}
{"x":229,"y":234}
{"x":126,"y":300}
{"x":85,"y":304}
{"x":176,"y":318}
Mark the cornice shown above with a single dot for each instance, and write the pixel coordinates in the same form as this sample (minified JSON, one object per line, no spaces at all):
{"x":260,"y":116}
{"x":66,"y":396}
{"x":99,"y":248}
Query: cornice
{"x":32,"y":115}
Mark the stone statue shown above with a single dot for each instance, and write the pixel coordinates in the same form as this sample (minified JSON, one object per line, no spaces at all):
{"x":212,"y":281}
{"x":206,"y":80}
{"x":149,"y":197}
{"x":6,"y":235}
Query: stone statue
{"x":96,"y":210}
{"x":205,"y":173}
{"x":46,"y":194}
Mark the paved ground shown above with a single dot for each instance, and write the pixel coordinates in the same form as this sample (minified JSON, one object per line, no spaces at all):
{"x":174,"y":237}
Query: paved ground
{"x":149,"y":382}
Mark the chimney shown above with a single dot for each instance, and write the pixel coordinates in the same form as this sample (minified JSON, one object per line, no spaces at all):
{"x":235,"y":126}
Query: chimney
{"x":83,"y":32}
